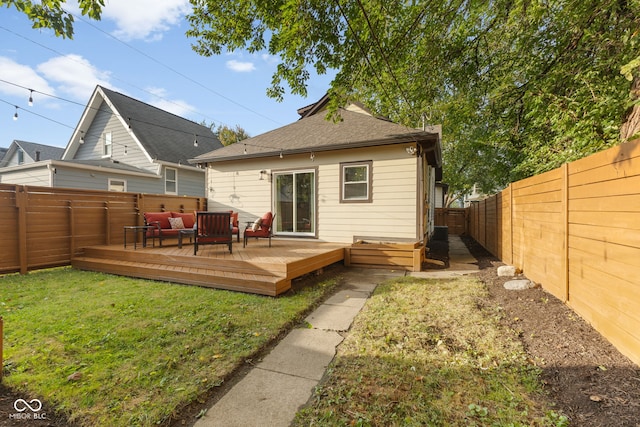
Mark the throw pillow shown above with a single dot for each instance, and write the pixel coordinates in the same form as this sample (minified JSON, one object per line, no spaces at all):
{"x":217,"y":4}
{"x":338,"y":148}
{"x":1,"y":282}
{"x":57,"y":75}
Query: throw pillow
{"x":176,"y":223}
{"x":256,"y":224}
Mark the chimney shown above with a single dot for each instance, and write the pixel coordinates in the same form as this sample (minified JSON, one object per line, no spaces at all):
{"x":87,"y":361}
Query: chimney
{"x":37,"y":156}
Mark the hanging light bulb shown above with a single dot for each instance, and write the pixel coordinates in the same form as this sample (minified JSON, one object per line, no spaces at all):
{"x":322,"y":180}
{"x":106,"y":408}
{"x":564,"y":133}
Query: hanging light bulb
{"x":312,"y":157}
{"x":195,"y":141}
{"x":81,"y":137}
{"x":245,"y":148}
{"x":15,"y":115}
{"x":125,"y":150}
{"x":31,"y":98}
{"x":281,"y":156}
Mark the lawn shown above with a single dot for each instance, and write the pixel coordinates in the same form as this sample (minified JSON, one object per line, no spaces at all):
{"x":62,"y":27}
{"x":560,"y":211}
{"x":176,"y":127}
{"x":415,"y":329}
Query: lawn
{"x":114,"y":351}
{"x":430,"y":352}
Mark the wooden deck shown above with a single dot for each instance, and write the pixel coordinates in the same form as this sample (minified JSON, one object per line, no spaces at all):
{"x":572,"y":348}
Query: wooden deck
{"x":256,"y":268}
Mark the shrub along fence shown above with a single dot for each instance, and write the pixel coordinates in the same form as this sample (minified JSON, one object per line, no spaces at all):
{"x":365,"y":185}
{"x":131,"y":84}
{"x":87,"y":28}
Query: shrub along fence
{"x":45,"y":227}
{"x":576,"y":231}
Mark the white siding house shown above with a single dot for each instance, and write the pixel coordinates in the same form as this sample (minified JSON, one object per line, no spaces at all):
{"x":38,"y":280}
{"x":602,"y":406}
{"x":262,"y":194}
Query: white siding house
{"x":361,"y":178}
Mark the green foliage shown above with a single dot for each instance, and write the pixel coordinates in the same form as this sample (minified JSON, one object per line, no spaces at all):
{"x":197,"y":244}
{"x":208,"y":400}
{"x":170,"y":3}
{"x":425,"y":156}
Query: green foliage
{"x":520,"y":87}
{"x":229,"y":136}
{"x":51,"y":14}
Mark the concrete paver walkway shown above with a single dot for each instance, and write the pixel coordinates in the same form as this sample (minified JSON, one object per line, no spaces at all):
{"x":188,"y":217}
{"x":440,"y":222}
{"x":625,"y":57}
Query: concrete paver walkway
{"x":284,"y":380}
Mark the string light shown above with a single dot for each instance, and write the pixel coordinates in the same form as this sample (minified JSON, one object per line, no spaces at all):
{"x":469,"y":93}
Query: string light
{"x":312,"y":157}
{"x":245,"y":149}
{"x":281,"y":156}
{"x":195,"y":140}
{"x":15,"y":115}
{"x":81,"y":137}
{"x":31,"y":98}
{"x":125,"y":150}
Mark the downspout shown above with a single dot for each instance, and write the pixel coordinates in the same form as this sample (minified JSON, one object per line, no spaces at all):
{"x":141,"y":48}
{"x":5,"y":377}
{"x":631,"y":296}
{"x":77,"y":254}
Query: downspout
{"x":52,"y":172}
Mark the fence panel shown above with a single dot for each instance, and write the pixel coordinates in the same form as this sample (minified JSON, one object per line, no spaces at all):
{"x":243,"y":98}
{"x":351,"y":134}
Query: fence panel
{"x":453,"y":218}
{"x":44,"y":227}
{"x":576,"y":231}
{"x":604,"y":244}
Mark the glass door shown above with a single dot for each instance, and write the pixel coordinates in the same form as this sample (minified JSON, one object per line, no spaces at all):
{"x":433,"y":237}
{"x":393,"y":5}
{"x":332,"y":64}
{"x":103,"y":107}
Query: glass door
{"x":295,"y":199}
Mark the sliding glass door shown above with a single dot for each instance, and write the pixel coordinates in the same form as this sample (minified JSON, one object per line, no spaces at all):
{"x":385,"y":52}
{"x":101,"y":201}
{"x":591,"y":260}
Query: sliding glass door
{"x":295,"y":200}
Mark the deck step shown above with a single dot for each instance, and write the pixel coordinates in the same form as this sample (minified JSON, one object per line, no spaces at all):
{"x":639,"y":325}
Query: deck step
{"x":259,"y":281}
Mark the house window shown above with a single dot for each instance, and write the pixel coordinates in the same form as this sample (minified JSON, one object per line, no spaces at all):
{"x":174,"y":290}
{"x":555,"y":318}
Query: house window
{"x":107,"y":145}
{"x":171,"y":181}
{"x":117,"y":185}
{"x":20,"y":156}
{"x":355,"y":182}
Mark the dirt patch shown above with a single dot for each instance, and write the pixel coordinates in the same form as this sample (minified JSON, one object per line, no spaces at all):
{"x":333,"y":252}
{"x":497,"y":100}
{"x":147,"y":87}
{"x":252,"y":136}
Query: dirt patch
{"x":587,"y":379}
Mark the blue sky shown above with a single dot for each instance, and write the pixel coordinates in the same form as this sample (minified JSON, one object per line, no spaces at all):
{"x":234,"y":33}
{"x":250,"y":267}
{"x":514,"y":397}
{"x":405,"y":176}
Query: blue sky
{"x":139,"y":48}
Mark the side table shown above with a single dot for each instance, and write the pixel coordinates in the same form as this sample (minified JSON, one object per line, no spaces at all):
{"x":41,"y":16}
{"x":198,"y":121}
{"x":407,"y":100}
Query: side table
{"x":137,"y":229}
{"x":185,"y":232}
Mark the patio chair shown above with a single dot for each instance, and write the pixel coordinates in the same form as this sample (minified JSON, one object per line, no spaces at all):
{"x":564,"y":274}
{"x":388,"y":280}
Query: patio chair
{"x":260,"y":228}
{"x":235,"y":228}
{"x":213,"y":228}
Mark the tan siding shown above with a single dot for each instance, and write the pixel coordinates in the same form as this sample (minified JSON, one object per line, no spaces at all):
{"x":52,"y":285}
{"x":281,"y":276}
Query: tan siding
{"x":392,"y":214}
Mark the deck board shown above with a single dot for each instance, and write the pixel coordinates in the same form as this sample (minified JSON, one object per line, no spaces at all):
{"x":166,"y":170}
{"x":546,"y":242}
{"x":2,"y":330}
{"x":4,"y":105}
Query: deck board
{"x":256,"y":268}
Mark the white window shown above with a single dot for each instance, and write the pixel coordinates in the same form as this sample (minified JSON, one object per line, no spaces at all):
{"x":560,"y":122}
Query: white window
{"x":355,"y":180}
{"x":20,"y":156}
{"x":107,"y":145}
{"x":171,"y":181}
{"x":117,"y":185}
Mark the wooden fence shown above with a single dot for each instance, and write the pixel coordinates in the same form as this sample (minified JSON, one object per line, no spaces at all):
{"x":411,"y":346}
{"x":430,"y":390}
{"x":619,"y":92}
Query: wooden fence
{"x":455,"y":219}
{"x":44,"y":227}
{"x":576,"y":231}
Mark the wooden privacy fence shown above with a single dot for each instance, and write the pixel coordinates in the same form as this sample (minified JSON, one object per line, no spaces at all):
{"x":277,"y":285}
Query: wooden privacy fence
{"x":576,"y":231}
{"x":455,"y":219}
{"x":44,"y":227}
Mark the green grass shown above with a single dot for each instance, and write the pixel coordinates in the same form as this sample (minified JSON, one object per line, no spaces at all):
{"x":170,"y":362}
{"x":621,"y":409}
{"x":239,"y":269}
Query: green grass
{"x":142,"y":349}
{"x":425,"y":352}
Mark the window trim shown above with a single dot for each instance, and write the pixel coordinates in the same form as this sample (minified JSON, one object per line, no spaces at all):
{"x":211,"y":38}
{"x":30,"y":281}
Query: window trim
{"x":369,"y":181}
{"x":123,"y":181}
{"x":166,"y":180}
{"x":107,"y":145}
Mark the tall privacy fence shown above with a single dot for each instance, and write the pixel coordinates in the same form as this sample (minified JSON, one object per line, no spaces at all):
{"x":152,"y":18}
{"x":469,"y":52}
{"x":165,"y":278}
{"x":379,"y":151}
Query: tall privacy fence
{"x":576,"y":231}
{"x":44,"y":227}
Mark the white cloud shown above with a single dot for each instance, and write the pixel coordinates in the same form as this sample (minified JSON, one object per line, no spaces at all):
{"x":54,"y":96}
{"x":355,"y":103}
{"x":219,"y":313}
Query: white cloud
{"x":144,"y":19}
{"x":269,"y":59}
{"x":176,"y":106}
{"x":240,"y":67}
{"x":22,"y":75}
{"x":74,"y":75}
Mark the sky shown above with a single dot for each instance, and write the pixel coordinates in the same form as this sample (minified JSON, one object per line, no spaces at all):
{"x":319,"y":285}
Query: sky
{"x":138,"y":48}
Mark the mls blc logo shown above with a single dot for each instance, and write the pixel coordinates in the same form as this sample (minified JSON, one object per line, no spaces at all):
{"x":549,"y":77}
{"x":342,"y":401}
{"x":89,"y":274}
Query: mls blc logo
{"x":28,"y":410}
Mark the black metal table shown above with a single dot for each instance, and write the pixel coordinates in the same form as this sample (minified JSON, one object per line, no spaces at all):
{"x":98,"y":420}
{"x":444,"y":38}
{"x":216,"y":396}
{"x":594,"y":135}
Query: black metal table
{"x":137,"y":229}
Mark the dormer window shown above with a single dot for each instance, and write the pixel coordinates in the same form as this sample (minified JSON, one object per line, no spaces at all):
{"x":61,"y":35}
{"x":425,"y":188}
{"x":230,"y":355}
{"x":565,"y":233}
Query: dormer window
{"x":107,"y":145}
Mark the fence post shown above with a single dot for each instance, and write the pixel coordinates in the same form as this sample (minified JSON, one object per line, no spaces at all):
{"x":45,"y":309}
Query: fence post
{"x":21,"y":205}
{"x":1,"y":346}
{"x":72,"y":231}
{"x":565,"y":224}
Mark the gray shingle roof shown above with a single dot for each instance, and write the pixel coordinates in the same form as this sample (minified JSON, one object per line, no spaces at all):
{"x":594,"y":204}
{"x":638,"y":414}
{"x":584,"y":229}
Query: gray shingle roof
{"x":164,"y":135}
{"x":316,"y":133}
{"x":47,"y":152}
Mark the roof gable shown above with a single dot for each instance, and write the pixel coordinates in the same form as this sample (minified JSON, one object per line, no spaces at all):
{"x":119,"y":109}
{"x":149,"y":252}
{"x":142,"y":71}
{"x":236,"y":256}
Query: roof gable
{"x":162,"y":135}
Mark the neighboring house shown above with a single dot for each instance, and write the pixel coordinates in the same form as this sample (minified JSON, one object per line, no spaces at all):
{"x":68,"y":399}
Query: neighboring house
{"x":122,"y":144}
{"x":360,"y":178}
{"x":3,"y":151}
{"x":23,"y":152}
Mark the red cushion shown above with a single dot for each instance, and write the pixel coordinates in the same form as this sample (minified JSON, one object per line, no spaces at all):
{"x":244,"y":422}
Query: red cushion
{"x":162,"y":217}
{"x":187,"y":219}
{"x":266,"y":220}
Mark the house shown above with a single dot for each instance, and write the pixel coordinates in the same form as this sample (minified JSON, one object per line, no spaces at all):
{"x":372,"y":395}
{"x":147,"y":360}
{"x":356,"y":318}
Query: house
{"x":23,"y":152}
{"x":360,"y":178}
{"x":122,"y":144}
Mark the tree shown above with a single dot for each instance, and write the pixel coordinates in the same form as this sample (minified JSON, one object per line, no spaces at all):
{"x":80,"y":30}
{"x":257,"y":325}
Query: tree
{"x":229,"y":136}
{"x":51,"y":13}
{"x":520,"y":87}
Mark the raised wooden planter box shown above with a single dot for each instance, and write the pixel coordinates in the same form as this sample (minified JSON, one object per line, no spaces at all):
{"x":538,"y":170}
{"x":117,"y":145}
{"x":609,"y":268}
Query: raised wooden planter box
{"x":399,"y":255}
